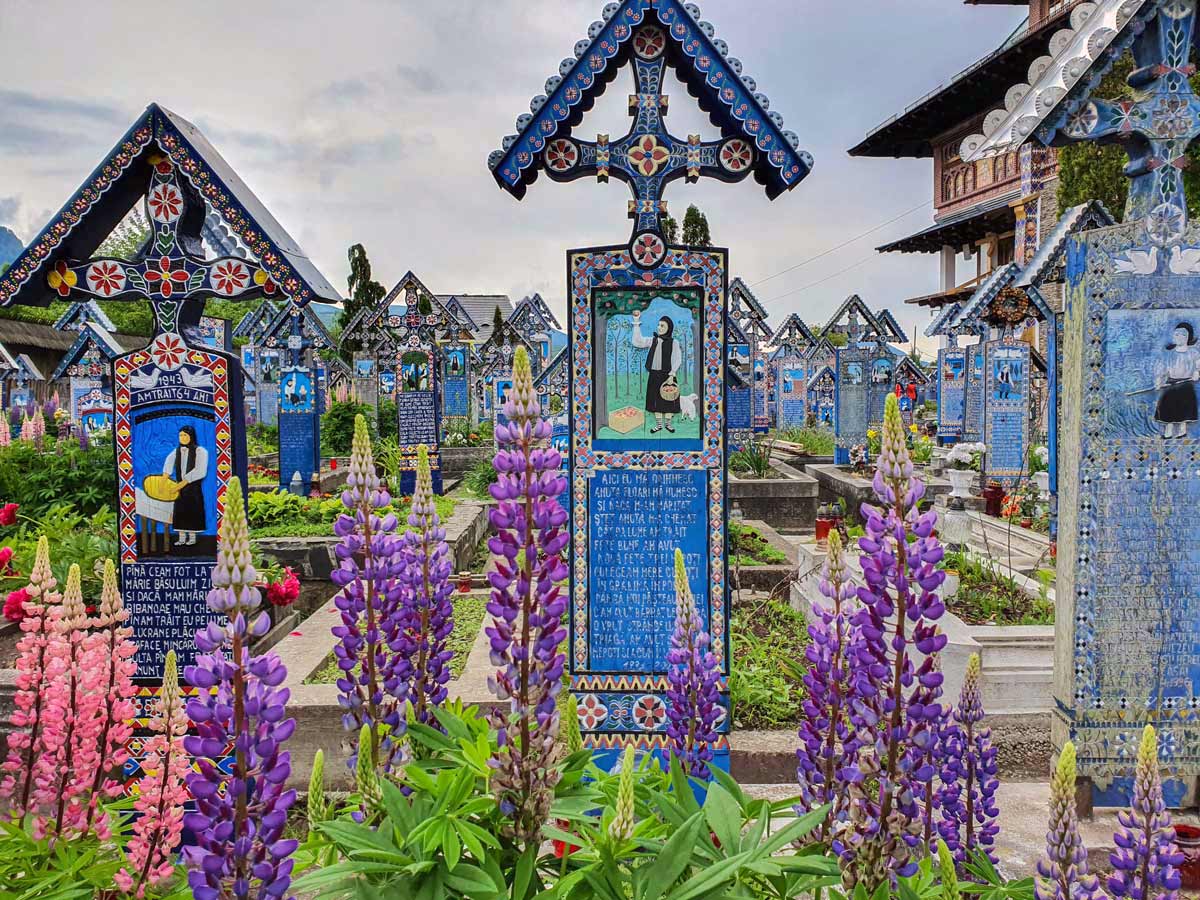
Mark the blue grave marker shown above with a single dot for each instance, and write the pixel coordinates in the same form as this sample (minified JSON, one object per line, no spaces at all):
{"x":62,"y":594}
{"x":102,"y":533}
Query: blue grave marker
{"x":647,"y":343}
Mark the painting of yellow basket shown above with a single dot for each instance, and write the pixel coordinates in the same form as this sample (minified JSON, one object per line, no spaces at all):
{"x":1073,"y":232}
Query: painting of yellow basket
{"x":162,"y":488}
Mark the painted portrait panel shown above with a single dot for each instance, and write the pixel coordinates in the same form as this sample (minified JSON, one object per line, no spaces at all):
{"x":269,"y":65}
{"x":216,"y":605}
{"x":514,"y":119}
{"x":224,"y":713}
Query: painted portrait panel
{"x":646,"y":386}
{"x":175,"y":478}
{"x":1151,"y":372}
{"x":854,"y":373}
{"x":297,"y":394}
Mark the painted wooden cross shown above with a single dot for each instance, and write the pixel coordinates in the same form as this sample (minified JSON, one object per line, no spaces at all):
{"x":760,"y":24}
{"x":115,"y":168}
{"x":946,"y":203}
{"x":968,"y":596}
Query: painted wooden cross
{"x":649,"y":157}
{"x":172,"y":273}
{"x":1156,"y":126}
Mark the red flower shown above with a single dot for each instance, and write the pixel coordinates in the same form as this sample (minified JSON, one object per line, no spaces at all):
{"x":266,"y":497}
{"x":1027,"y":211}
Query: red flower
{"x":562,"y":848}
{"x":14,"y":605}
{"x":285,"y":592}
{"x":168,"y":276}
{"x":8,"y":514}
{"x":6,"y":555}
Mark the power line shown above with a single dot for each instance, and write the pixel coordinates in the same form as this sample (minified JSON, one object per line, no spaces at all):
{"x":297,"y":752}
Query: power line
{"x":824,"y":253}
{"x":864,"y":260}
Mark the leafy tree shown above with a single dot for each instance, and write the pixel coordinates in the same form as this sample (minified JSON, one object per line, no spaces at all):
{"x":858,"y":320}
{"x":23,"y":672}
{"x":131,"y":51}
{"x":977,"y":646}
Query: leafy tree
{"x":670,"y":229}
{"x":365,"y":293}
{"x":497,"y":320}
{"x":695,"y":228}
{"x":837,"y":338}
{"x":424,"y":305}
{"x":1091,"y":171}
{"x":128,"y":238}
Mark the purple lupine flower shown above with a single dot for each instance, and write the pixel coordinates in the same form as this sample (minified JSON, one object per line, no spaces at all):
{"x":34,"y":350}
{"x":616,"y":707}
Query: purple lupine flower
{"x":16,"y":415}
{"x":693,"y":674}
{"x":240,"y":851}
{"x":369,"y":561}
{"x":422,"y":661}
{"x":828,"y":739}
{"x":1146,"y":860}
{"x":895,"y":705}
{"x":969,"y":776}
{"x":84,"y":440}
{"x":1062,"y":872}
{"x":527,"y":607}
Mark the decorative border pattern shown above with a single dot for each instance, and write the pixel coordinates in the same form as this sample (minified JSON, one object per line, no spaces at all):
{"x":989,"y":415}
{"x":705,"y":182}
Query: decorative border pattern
{"x":123,"y":434}
{"x":728,"y":89}
{"x":613,"y":267}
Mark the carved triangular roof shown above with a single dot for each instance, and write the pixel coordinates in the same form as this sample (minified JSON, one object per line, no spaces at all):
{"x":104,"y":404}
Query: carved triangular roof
{"x":544,"y":308}
{"x":915,"y":371}
{"x":733,"y":332}
{"x":7,"y":362}
{"x":122,"y":177}
{"x":24,"y":366}
{"x":941,"y":322}
{"x":1059,"y":84}
{"x":498,"y":350}
{"x":823,"y":346}
{"x":532,"y":316}
{"x":872,"y":330}
{"x":455,"y":307}
{"x":974,"y":312}
{"x":555,"y":375}
{"x":90,"y":336}
{"x":891,"y":328}
{"x":746,"y":308}
{"x":81,"y":312}
{"x":1047,"y":263}
{"x":253,"y":319}
{"x":817,"y":375}
{"x":698,"y":57}
{"x":793,"y":334}
{"x":277,"y":331}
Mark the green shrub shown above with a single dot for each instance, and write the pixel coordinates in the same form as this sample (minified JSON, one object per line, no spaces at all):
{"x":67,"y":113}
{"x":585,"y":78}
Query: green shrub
{"x":389,"y":421}
{"x":337,"y":427}
{"x":480,"y":477}
{"x":765,"y":682}
{"x":86,"y":479}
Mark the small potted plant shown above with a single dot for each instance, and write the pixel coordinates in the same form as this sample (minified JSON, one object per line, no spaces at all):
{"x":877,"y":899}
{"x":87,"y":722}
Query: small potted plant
{"x":963,"y":460}
{"x":1039,"y":468}
{"x":858,"y":458}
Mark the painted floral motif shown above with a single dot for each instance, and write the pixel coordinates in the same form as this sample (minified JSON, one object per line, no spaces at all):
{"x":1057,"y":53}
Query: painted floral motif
{"x":167,"y":351}
{"x":165,"y":202}
{"x":62,"y":279}
{"x":561,"y":155}
{"x":230,"y":277}
{"x":1172,"y":118}
{"x":647,"y":156}
{"x":736,"y":155}
{"x":1082,"y":122}
{"x":166,"y":277}
{"x":592,"y":712}
{"x":1165,"y":224}
{"x":649,"y":712}
{"x":648,"y":249}
{"x":650,"y":42}
{"x":262,"y":278}
{"x":106,"y":278}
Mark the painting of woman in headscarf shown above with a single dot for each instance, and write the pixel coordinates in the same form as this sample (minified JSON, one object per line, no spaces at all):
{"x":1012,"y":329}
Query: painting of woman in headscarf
{"x":1175,"y":377}
{"x":648,"y":354}
{"x":662,"y":364}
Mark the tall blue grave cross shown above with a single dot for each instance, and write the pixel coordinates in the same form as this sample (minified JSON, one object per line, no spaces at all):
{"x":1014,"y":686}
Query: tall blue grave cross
{"x":1155,"y":126}
{"x":647,"y":345}
{"x":1125,"y":636}
{"x":177,"y":407}
{"x":297,"y":333}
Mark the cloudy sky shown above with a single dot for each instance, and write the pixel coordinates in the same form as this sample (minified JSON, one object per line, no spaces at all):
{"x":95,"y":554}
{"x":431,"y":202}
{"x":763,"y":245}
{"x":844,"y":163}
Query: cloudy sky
{"x":371,"y":121}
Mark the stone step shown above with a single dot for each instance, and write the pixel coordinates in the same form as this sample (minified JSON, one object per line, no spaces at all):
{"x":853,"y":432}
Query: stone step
{"x":1017,"y":657}
{"x":1024,"y":689}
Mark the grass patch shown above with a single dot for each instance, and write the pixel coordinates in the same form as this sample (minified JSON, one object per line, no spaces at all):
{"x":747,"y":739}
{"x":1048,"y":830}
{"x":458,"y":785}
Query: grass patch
{"x":815,"y":441}
{"x":765,"y":685}
{"x":749,"y":548}
{"x":988,"y":597}
{"x":469,"y":613}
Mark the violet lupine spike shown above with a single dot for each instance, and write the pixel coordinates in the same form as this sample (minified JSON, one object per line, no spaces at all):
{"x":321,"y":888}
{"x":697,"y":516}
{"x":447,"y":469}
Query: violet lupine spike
{"x":370,"y":558}
{"x":527,"y":608}
{"x":1146,"y":861}
{"x":239,"y":851}
{"x":895,"y":704}
{"x":1062,"y":872}
{"x":421,"y":666}
{"x":969,"y":776}
{"x":828,"y":740}
{"x":693,"y":675}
